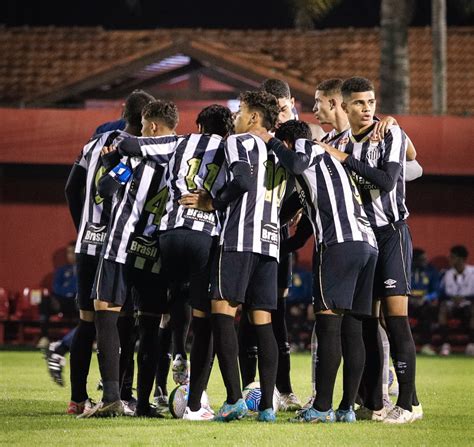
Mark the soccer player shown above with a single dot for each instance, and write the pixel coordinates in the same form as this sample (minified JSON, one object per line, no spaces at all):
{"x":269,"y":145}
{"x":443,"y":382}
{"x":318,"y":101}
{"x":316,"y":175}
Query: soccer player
{"x":378,"y":168}
{"x":249,"y":250}
{"x":345,"y":244}
{"x":90,"y":213}
{"x":188,"y":238}
{"x":247,"y":336}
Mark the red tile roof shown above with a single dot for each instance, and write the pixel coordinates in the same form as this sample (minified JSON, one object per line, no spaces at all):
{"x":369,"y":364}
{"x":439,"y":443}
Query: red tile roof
{"x":55,"y":63}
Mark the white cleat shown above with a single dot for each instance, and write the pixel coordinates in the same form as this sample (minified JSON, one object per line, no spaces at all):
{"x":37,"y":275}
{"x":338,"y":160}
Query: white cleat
{"x":203,"y":414}
{"x":366,"y":414}
{"x":289,"y":402}
{"x":417,"y":411}
{"x":398,"y":415}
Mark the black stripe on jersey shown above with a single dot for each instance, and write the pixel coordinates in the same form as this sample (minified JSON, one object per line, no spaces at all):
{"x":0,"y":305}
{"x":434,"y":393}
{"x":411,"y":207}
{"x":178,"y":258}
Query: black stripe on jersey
{"x":308,"y":203}
{"x":254,"y":158}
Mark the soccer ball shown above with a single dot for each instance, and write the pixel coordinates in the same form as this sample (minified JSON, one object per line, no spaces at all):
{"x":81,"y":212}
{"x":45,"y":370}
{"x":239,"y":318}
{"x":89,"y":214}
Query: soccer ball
{"x":252,"y":395}
{"x":178,"y":400}
{"x":392,"y":382}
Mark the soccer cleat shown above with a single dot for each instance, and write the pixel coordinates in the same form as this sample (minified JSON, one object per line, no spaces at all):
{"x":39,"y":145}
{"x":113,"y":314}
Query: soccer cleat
{"x":445,"y":349}
{"x":366,"y":414}
{"x":203,"y":414}
{"x":469,"y":349}
{"x":129,"y":406}
{"x":309,"y":404}
{"x":149,"y":412}
{"x":289,"y":402}
{"x":427,"y":350}
{"x":76,"y":408}
{"x":161,"y":404}
{"x":55,"y":363}
{"x":314,"y":416}
{"x":104,"y":410}
{"x":397,"y":415}
{"x":232,"y":412}
{"x":43,"y":343}
{"x":417,"y":411}
{"x":180,"y":370}
{"x":267,"y":415}
{"x":345,"y":415}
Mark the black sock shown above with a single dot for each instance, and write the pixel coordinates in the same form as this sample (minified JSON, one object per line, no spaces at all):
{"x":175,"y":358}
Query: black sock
{"x":147,"y":358}
{"x":415,"y":402}
{"x":267,"y":363}
{"x":164,"y":361}
{"x":283,"y":382}
{"x":108,"y":346}
{"x":404,"y":358}
{"x":328,"y":331}
{"x":128,"y":337}
{"x":180,"y":321}
{"x":226,"y":347}
{"x":371,"y":389}
{"x":353,"y":353}
{"x":201,"y":355}
{"x":80,"y":359}
{"x":247,"y":350}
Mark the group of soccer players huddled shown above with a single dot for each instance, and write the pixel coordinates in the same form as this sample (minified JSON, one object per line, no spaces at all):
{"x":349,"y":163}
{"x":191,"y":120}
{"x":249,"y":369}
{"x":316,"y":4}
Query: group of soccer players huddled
{"x":167,"y":221}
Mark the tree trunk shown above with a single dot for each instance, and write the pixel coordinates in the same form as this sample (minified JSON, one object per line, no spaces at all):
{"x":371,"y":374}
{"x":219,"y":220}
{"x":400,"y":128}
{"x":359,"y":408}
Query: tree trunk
{"x":394,"y":62}
{"x":438,"y":29}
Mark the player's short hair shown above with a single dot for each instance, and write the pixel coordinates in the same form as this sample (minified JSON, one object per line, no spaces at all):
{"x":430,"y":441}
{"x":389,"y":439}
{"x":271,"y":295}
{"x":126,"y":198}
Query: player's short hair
{"x":330,"y":86}
{"x":460,"y":251}
{"x":215,"y":119}
{"x":265,"y":103}
{"x":355,"y":85}
{"x":134,"y":105}
{"x":277,"y":87}
{"x":292,"y":130}
{"x":164,"y":111}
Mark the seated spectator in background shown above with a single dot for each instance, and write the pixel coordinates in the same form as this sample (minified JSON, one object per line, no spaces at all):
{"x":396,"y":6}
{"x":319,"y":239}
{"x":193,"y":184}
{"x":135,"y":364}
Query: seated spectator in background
{"x":62,"y":299}
{"x":423,"y":301}
{"x":457,"y":298}
{"x":299,"y":302}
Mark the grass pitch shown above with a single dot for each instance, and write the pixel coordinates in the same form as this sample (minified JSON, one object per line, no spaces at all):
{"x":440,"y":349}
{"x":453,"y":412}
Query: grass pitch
{"x":32,"y":412}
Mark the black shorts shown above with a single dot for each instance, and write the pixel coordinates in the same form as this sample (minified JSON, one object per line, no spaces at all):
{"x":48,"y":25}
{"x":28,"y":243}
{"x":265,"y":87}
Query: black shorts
{"x":86,"y":270}
{"x":245,"y":277}
{"x":393,"y":272}
{"x":112,"y":284}
{"x":344,"y":277}
{"x":187,"y":256}
{"x":149,"y":291}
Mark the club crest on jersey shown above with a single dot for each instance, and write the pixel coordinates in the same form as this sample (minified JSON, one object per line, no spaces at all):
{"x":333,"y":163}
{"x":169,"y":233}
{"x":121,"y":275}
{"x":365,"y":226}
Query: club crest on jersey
{"x":143,"y":246}
{"x":269,"y":233}
{"x":200,"y":216}
{"x":94,"y":234}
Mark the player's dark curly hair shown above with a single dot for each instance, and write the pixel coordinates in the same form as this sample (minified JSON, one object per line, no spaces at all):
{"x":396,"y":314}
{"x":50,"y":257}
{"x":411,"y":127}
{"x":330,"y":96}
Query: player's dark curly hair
{"x":215,"y":119}
{"x":356,"y":85}
{"x":265,"y":104}
{"x":133,"y":107}
{"x":164,"y":111}
{"x":278,"y":88}
{"x":291,"y":130}
{"x":332,"y":85}
{"x":460,"y":251}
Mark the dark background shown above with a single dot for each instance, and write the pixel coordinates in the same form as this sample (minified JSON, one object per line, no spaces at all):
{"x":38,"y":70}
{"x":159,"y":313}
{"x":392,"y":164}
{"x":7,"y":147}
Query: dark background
{"x":132,"y":14}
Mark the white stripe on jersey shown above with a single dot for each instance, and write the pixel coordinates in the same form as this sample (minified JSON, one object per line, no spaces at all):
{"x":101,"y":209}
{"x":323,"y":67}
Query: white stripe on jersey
{"x":332,"y":197}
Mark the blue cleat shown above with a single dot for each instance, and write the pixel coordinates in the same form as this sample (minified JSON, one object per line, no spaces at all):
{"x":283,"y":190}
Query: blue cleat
{"x":267,"y":415}
{"x":315,"y":416}
{"x":345,"y":415}
{"x":231,"y":412}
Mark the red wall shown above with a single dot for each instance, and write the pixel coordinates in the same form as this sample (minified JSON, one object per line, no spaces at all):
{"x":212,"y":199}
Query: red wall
{"x":38,"y":146}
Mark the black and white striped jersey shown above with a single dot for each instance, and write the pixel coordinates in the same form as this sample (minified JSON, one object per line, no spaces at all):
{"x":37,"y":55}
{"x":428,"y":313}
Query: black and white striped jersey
{"x":197,"y":162}
{"x":138,"y":208}
{"x":96,"y":210}
{"x":382,"y":207}
{"x":252,"y":221}
{"x":331,"y":198}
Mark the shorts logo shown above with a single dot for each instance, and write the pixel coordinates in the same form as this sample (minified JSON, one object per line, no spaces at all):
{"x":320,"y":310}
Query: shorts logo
{"x":390,"y":283}
{"x":200,"y":216}
{"x":94,"y":234}
{"x":143,"y":246}
{"x":269,"y":233}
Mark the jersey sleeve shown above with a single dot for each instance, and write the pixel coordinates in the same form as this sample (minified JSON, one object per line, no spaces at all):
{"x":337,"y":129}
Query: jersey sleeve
{"x":310,"y":149}
{"x":159,"y":150}
{"x":235,"y":151}
{"x":395,"y":145}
